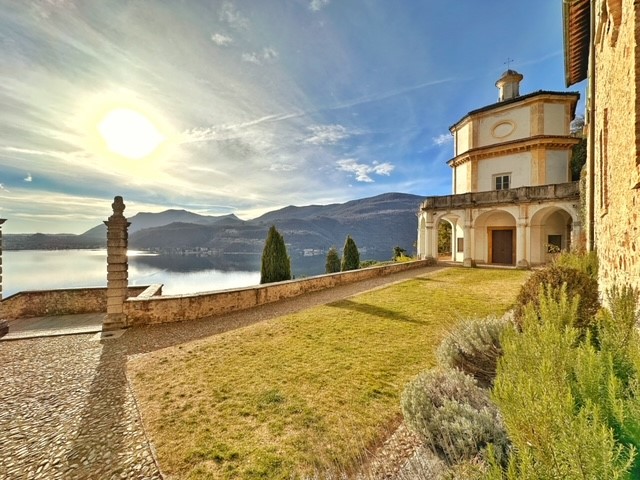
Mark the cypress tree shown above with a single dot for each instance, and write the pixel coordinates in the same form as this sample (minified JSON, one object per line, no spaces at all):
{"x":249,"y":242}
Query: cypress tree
{"x":333,"y":261}
{"x":350,"y":255}
{"x":276,"y":264}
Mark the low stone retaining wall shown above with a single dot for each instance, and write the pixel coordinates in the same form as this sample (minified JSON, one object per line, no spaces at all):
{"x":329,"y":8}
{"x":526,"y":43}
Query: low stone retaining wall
{"x":146,"y":310}
{"x":68,"y":301}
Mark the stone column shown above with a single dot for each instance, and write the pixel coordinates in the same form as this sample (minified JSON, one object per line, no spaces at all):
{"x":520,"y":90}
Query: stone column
{"x":2,"y":220}
{"x":468,"y":260}
{"x":467,"y":256}
{"x":428,"y":250}
{"x":521,"y":245}
{"x":454,"y":246}
{"x":576,"y":233}
{"x":117,"y":267}
{"x":420,"y":242}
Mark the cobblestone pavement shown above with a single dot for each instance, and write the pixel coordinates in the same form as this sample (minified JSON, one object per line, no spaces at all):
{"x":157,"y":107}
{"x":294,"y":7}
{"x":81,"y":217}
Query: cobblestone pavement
{"x":66,"y":408}
{"x":66,"y":411}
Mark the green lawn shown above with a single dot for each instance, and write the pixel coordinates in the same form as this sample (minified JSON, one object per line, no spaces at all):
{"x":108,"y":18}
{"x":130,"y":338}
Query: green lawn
{"x":308,"y":392}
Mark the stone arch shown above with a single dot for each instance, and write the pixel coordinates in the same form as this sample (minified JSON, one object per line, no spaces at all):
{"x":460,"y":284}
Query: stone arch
{"x":455,"y":222}
{"x":551,"y":229}
{"x":495,"y":236}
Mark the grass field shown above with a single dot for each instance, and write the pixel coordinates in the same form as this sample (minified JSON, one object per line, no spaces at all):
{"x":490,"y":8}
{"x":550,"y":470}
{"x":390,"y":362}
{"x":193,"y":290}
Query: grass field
{"x":306,"y":393}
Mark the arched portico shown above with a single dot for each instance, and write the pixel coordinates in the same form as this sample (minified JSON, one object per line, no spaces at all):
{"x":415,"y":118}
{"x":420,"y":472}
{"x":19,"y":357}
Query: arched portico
{"x":509,"y":227}
{"x":455,"y":221}
{"x":495,"y":237}
{"x":554,"y":228}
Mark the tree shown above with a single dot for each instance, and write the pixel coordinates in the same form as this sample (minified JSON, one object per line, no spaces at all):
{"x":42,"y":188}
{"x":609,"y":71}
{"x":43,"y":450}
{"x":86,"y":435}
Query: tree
{"x":276,"y":264}
{"x":350,"y":255}
{"x":578,"y":158}
{"x":444,"y":237}
{"x":333,"y":261}
{"x":399,"y":252}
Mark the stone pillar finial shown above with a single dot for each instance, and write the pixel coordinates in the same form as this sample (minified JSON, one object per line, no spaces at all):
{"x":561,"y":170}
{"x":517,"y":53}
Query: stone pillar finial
{"x":118,"y":207}
{"x":117,"y":266}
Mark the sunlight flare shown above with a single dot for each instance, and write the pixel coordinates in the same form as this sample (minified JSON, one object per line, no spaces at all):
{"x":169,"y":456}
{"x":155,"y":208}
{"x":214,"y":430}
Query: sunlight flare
{"x":129,"y":133}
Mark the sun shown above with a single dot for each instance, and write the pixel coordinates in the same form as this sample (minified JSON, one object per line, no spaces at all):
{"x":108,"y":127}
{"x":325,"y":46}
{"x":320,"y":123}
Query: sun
{"x":129,"y":133}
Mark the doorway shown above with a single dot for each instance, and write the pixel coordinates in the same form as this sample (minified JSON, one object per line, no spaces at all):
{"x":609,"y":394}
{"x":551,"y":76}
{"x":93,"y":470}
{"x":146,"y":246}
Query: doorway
{"x":501,"y":242}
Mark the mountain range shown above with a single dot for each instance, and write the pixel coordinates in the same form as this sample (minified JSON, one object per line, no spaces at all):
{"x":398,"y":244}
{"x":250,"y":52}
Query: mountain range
{"x":377,"y":224}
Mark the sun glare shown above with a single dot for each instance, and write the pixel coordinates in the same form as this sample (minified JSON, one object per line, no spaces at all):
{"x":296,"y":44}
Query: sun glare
{"x":129,"y":133}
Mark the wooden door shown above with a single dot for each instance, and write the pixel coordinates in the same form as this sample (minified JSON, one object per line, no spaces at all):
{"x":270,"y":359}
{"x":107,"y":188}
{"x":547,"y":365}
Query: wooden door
{"x":502,"y":246}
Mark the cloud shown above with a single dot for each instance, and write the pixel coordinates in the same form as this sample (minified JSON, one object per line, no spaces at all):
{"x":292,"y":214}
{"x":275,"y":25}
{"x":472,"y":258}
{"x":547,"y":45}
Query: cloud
{"x":327,"y":134}
{"x":28,"y":178}
{"x":443,"y":139}
{"x":251,"y":58}
{"x":221,"y":40}
{"x":317,"y":5}
{"x":362,"y":171}
{"x":258,"y":58}
{"x":231,"y":16}
{"x":282,"y":167}
{"x":229,"y":131}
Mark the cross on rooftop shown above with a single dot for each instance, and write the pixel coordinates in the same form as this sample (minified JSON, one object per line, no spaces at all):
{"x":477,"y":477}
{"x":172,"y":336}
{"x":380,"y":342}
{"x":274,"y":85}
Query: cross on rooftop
{"x":508,"y":62}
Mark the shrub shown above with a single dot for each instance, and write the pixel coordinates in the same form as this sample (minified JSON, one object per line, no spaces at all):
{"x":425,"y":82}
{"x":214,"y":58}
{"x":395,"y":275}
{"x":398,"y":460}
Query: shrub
{"x":333,"y":261}
{"x":350,"y":255}
{"x":276,"y":264}
{"x":578,"y":284}
{"x":370,"y":263}
{"x":558,"y":397}
{"x":452,"y":415}
{"x":586,"y":262}
{"x":473,"y":347}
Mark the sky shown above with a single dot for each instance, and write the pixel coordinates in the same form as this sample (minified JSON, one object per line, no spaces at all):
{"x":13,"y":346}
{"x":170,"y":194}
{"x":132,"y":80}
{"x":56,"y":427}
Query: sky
{"x":247,"y":106}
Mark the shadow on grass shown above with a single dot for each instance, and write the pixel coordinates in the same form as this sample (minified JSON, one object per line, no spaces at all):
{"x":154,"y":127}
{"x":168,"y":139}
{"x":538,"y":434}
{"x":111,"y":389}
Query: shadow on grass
{"x":372,"y":310}
{"x":145,"y":339}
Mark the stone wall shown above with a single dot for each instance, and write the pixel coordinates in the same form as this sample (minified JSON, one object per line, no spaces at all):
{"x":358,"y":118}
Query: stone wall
{"x":58,"y":302}
{"x":617,"y":142}
{"x":146,"y":309}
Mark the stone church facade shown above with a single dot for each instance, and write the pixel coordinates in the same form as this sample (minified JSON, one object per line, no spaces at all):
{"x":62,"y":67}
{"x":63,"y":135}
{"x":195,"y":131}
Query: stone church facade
{"x":513,"y":201}
{"x":602,"y":44}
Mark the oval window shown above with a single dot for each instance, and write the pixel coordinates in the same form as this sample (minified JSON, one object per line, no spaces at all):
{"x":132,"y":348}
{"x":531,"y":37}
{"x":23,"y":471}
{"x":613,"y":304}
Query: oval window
{"x":503,"y":129}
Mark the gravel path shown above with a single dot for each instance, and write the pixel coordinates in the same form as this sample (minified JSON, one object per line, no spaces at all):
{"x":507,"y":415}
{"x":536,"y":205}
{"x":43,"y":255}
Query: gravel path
{"x":66,"y":408}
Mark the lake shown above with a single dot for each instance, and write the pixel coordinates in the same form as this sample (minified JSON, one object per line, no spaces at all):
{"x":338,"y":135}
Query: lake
{"x":51,"y":269}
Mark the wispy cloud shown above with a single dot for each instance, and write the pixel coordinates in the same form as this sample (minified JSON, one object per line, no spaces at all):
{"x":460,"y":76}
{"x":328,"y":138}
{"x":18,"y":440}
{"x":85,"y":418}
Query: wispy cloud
{"x":221,"y":40}
{"x":443,"y":139}
{"x":224,"y":132}
{"x":363,"y":171}
{"x":317,"y":5}
{"x":28,"y":178}
{"x":282,"y":167}
{"x":327,"y":134}
{"x":230,"y":15}
{"x":377,"y":97}
{"x":2,"y":187}
{"x":268,"y":54}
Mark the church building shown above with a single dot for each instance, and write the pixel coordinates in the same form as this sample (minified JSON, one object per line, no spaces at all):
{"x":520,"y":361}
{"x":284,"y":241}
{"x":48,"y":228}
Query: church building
{"x":513,"y":200}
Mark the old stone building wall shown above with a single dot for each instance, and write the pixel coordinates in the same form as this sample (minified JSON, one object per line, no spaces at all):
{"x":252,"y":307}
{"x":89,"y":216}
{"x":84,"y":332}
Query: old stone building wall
{"x":616,"y":142}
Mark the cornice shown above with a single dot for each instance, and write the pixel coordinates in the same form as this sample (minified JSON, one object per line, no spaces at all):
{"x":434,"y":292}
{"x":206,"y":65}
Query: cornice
{"x":552,"y":142}
{"x":570,"y":97}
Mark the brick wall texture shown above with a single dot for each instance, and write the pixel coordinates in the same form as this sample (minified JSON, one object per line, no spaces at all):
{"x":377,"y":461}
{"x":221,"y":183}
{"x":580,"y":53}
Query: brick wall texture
{"x":617,"y":142}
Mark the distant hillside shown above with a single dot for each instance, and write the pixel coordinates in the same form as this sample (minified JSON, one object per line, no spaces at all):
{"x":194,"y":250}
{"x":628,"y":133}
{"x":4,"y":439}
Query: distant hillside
{"x":143,"y":220}
{"x":377,"y":224}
